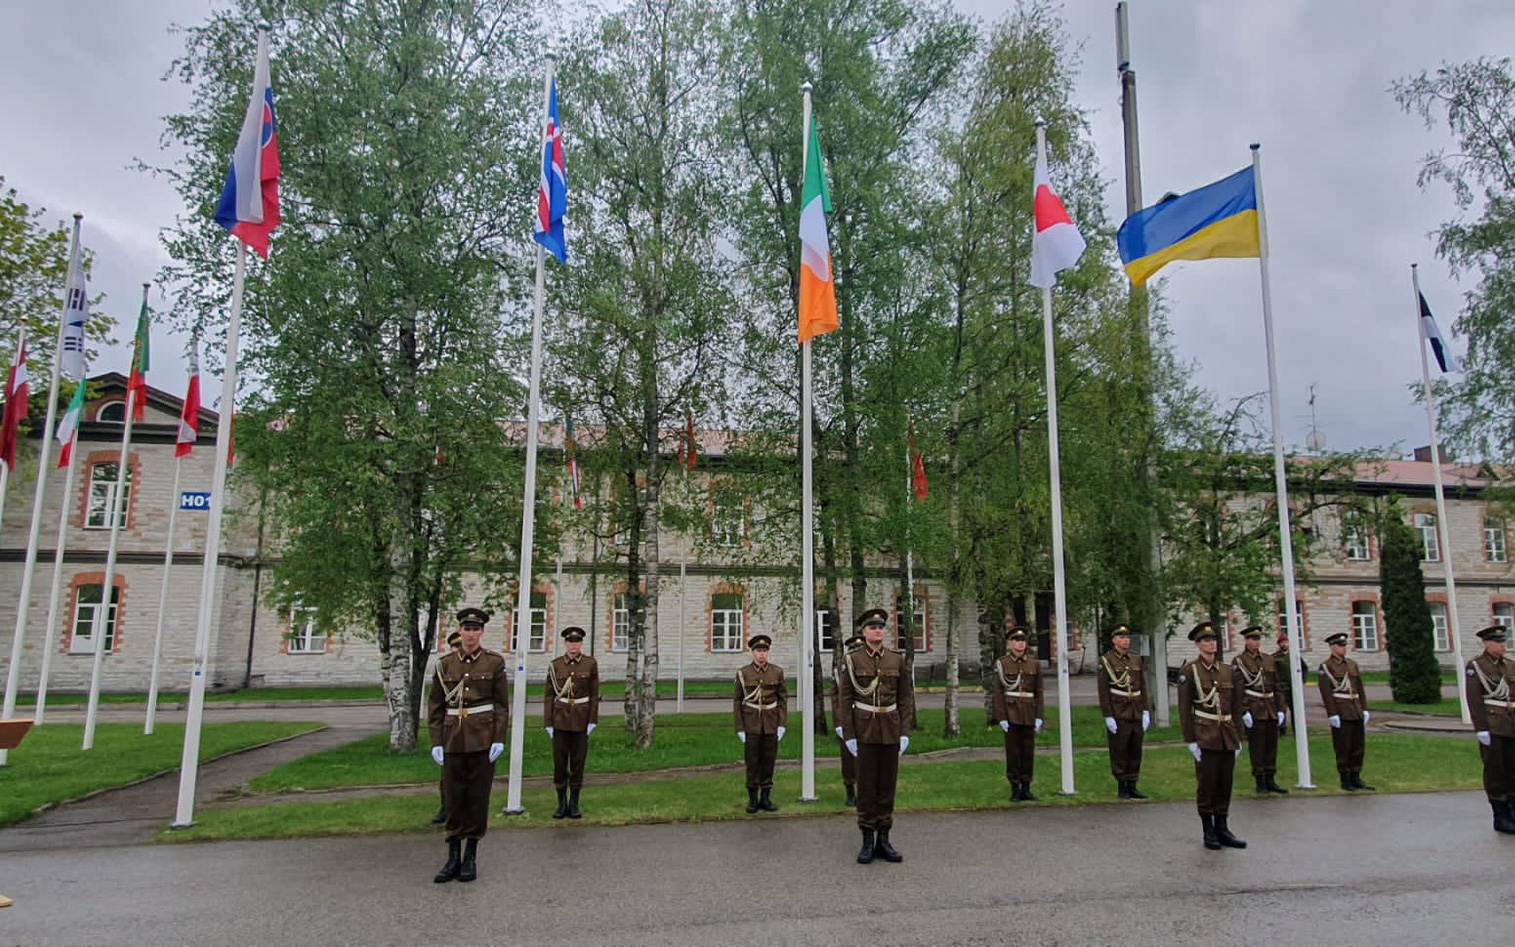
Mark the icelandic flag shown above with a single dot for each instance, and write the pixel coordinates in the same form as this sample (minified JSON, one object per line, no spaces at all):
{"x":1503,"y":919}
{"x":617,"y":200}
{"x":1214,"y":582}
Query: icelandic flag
{"x":552,"y":199}
{"x":1444,"y":356}
{"x":189,"y":417}
{"x":249,"y":205}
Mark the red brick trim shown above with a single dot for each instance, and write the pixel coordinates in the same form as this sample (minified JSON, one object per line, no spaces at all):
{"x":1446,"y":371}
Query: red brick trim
{"x":287,"y":628}
{"x":94,"y":578}
{"x":134,"y":462}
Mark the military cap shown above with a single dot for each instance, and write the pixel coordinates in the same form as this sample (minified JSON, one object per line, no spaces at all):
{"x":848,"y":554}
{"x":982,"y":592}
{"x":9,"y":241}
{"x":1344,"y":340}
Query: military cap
{"x":1339,"y":637}
{"x":573,"y":633}
{"x":1493,"y":633}
{"x":760,"y":642}
{"x":1283,"y":637}
{"x":873,"y":616}
{"x":454,"y":640}
{"x":1252,"y":631}
{"x":1120,"y":630}
{"x":1015,"y":633}
{"x":852,"y":641}
{"x":473,"y":616}
{"x":1202,"y":631}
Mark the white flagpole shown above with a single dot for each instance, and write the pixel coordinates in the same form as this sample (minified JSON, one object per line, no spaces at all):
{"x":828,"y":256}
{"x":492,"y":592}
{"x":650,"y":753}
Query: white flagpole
{"x":807,"y":540}
{"x":54,"y":596}
{"x":1444,"y":527}
{"x":168,"y":568}
{"x":1059,"y":583}
{"x":683,"y":582}
{"x":5,"y":470}
{"x":23,"y":604}
{"x":521,"y":633}
{"x":1281,"y":488}
{"x":189,"y":764}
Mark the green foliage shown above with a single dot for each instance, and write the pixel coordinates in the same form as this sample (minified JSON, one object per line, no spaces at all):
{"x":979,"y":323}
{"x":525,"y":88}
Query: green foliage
{"x":1414,"y":675}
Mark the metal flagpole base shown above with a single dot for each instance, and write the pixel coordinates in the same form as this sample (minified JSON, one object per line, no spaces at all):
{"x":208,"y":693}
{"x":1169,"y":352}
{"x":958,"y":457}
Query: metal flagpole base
{"x":181,"y":825}
{"x":1069,"y":794}
{"x":810,"y":799}
{"x":1305,"y":786}
{"x":512,"y":812}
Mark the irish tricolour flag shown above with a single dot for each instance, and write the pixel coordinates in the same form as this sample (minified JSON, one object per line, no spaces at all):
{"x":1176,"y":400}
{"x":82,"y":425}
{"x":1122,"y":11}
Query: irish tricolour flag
{"x":817,"y":290}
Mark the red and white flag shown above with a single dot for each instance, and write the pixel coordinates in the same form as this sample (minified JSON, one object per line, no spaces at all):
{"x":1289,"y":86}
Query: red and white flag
{"x":17,"y":391}
{"x":189,"y":417}
{"x":1056,"y":244}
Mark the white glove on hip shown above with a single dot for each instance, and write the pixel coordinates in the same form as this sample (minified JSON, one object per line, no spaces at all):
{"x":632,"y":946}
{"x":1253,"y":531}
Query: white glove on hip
{"x":549,"y":730}
{"x":1483,"y":737}
{"x":495,"y":749}
{"x":782,"y":731}
{"x":742,"y":735}
{"x":1038,"y":725}
{"x":1194,"y":751}
{"x":1335,"y":721}
{"x":904,"y":745}
{"x":838,"y":733}
{"x":436,"y":755}
{"x":852,"y":746}
{"x":1004,"y":725}
{"x":1110,"y":724}
{"x":591,"y":729}
{"x":1366,"y":716}
{"x":1246,"y":720}
{"x":1146,"y":720}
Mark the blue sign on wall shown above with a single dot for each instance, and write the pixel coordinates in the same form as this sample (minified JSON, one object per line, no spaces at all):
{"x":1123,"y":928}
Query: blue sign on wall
{"x":189,"y":500}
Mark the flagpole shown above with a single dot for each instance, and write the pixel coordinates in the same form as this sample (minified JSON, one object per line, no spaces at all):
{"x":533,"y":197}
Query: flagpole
{"x":521,"y":630}
{"x":909,"y":549}
{"x":807,"y":538}
{"x":1444,"y":527}
{"x":55,"y":593}
{"x":1281,"y":489}
{"x":189,"y":764}
{"x":23,"y":604}
{"x":168,"y":568}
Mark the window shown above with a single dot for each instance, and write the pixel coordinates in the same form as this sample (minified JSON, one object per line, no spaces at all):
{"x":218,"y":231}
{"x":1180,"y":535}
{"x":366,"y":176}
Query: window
{"x":1430,"y":545}
{"x":1354,"y":539}
{"x":728,"y":519}
{"x":1443,"y":636}
{"x":726,"y":621}
{"x":87,"y":613}
{"x":919,"y":627}
{"x":115,"y":411}
{"x":537,"y":635}
{"x":1493,"y":539}
{"x":620,"y":622}
{"x":102,"y":487}
{"x":825,"y":626}
{"x":1504,"y":614}
{"x":1365,"y":626}
{"x":1299,"y":616}
{"x":305,"y":636}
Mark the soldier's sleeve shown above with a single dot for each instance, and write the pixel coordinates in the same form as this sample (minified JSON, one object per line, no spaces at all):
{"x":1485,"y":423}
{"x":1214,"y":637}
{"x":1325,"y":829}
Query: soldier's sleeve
{"x":1041,"y":695}
{"x":1238,"y":702}
{"x":836,"y":694}
{"x":1106,"y":708}
{"x":501,"y":687}
{"x":907,"y":702}
{"x":736,"y":701}
{"x":547,"y":697}
{"x":594,"y":692}
{"x":1325,"y":691}
{"x":1476,"y":707}
{"x":997,"y":700}
{"x":844,"y":716}
{"x":781,"y":694}
{"x":436,"y":706}
{"x":1186,"y":703}
{"x":1141,"y":682}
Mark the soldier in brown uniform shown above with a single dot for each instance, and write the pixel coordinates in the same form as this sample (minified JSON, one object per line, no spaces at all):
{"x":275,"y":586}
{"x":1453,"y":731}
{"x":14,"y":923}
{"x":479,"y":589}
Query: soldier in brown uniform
{"x":1124,"y":707}
{"x":1018,"y":707}
{"x":1208,"y":704}
{"x":849,"y":762}
{"x":570,"y":712}
{"x":1281,"y":659}
{"x":1490,"y":687}
{"x":760,"y":704}
{"x":1341,"y":691}
{"x":877,"y":714}
{"x":454,"y":644}
{"x":468,"y":716}
{"x":1257,"y":676}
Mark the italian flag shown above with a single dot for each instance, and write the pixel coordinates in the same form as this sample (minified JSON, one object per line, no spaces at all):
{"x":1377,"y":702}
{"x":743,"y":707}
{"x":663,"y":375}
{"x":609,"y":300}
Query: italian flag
{"x":136,"y":384}
{"x":68,"y":426}
{"x":817,"y":289}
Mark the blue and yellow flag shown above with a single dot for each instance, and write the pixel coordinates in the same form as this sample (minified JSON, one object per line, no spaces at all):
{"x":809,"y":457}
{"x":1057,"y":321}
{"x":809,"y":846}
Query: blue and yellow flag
{"x":1218,"y":220}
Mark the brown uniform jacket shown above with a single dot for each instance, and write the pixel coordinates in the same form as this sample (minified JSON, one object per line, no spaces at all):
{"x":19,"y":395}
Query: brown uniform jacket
{"x":1120,"y":686}
{"x":1341,"y":688}
{"x":760,"y":702}
{"x":1209,"y":705}
{"x":469,"y":681}
{"x":571,"y":700}
{"x":838,"y":669}
{"x":1018,"y":695}
{"x":1491,"y":695}
{"x":1257,"y":676}
{"x":881,"y":682}
{"x":1285,"y":682}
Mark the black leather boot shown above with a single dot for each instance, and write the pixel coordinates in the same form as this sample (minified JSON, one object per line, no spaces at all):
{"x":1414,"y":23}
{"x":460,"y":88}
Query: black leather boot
{"x":1348,"y":783}
{"x":1358,"y":784}
{"x":470,"y":869}
{"x":440,"y":817}
{"x":1121,"y":790}
{"x":851,"y":796}
{"x":764,"y":802}
{"x":450,"y":869}
{"x":1015,"y":792}
{"x":1132,"y":792}
{"x":752,"y":803}
{"x":1273,"y":786}
{"x":1223,"y":833}
{"x":1211,"y":842}
{"x":573,"y":803}
{"x":1262,"y":785}
{"x":1026,"y":795}
{"x":562,"y":810}
{"x":1504,"y":817}
{"x":884,"y":850}
{"x":865,"y":854}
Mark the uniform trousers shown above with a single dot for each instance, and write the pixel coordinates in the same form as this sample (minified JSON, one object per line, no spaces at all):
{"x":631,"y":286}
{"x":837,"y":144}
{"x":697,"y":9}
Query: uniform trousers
{"x":1214,"y":772}
{"x":761,"y":751}
{"x":1020,"y":753}
{"x":1262,"y":744}
{"x":1126,"y":750}
{"x":849,"y":767}
{"x":570,"y":748}
{"x":466,"y":780}
{"x":878,"y":770}
{"x":1499,"y":768}
{"x":1348,"y":741}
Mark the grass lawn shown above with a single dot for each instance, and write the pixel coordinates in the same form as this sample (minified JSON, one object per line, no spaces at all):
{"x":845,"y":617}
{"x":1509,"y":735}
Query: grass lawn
{"x":1382,"y":677}
{"x":48,"y":766}
{"x":682,"y":740}
{"x":1394,"y":763}
{"x":1444,"y":707}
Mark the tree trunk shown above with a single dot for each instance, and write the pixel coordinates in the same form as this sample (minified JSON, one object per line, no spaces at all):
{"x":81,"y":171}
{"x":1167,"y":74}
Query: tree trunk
{"x":400,"y":674}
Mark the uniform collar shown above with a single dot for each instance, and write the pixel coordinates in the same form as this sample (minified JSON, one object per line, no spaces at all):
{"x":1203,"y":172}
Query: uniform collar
{"x":470,"y":658}
{"x":572,"y":660}
{"x":874,"y":654}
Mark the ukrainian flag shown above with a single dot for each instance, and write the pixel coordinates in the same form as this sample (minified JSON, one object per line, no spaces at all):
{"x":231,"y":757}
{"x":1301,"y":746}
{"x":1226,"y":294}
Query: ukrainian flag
{"x":1218,"y":220}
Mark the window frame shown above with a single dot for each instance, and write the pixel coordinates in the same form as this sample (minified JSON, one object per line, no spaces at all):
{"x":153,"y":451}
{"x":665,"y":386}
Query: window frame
{"x":830,"y":638}
{"x":922,"y":613}
{"x":1505,"y":618}
{"x":1360,"y":641}
{"x":732,"y":638}
{"x":113,"y":618}
{"x":1356,"y":544}
{"x":1430,"y":536}
{"x":1495,"y":546}
{"x":305,"y":631}
{"x":1441,"y":627}
{"x":725,"y":505}
{"x":106,"y":489}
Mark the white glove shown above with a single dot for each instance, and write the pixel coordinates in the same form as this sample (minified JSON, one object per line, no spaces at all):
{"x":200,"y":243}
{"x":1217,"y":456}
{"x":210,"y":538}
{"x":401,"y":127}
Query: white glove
{"x":852,"y":746}
{"x":1194,"y":751}
{"x":1483,"y":737}
{"x":591,"y":729}
{"x":1038,"y":725}
{"x":495,"y":749}
{"x":1336,"y":721}
{"x":742,"y":735}
{"x":1110,"y":724}
{"x":1146,"y":720}
{"x":1246,"y":719}
{"x":549,"y":731}
{"x":782,"y":731}
{"x":1366,"y":716}
{"x":1239,"y":749}
{"x":1280,"y":718}
{"x":1004,"y":725}
{"x":904,"y":745}
{"x":436,"y":755}
{"x":838,"y":733}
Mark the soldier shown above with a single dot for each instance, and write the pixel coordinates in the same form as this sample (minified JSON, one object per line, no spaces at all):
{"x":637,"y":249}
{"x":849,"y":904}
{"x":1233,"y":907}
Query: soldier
{"x":570,"y":712}
{"x":1490,"y":681}
{"x":454,"y":644}
{"x":877,"y":713}
{"x":1281,"y":659}
{"x":1341,"y":691}
{"x":1257,"y":676}
{"x":849,"y":764}
{"x":1018,"y":708}
{"x":468,"y":716}
{"x":761,"y":707}
{"x":1124,"y":707}
{"x":1208,"y":704}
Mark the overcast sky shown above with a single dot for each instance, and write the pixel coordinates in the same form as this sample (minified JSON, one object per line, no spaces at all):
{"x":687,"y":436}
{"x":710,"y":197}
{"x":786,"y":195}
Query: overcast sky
{"x":82,"y":92}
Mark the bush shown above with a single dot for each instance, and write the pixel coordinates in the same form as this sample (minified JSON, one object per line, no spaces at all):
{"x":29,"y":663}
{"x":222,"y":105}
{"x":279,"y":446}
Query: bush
{"x":1409,"y":633}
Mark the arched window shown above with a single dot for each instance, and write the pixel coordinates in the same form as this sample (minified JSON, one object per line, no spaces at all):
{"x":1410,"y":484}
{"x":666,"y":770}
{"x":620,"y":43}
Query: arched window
{"x":113,"y":412}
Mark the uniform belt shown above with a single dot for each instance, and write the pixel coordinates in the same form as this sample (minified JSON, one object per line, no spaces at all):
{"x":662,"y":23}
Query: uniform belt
{"x":1019,"y":694}
{"x":1507,"y":704}
{"x":466,"y":711}
{"x":573,"y":700}
{"x":757,"y":706}
{"x":1120,"y":693}
{"x":875,"y":710}
{"x":1252,"y":693}
{"x":1222,"y":718}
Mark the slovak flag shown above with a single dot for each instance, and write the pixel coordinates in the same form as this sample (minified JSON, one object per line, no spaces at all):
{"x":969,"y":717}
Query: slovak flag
{"x":1056,"y":244}
{"x":552,"y":199}
{"x":189,"y":417}
{"x":249,"y":205}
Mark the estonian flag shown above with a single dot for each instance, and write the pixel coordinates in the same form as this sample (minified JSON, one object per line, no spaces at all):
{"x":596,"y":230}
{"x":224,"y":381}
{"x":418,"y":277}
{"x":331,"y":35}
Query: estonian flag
{"x":1444,"y":356}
